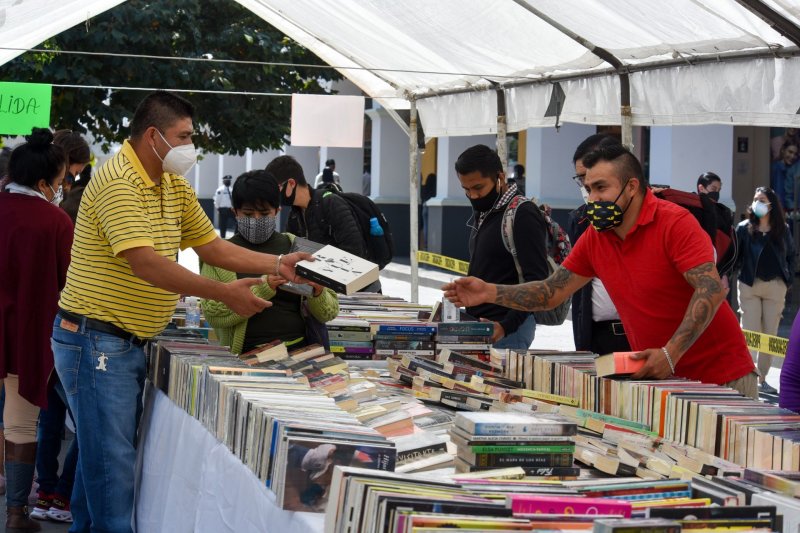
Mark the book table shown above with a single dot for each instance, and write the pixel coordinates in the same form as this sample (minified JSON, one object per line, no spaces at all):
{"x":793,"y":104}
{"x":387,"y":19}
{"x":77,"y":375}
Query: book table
{"x":187,"y":481}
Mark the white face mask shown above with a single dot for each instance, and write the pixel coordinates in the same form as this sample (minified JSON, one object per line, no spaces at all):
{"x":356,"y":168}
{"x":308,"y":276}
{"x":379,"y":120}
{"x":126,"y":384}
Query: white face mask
{"x":58,"y":195}
{"x":759,"y":208}
{"x":179,"y":160}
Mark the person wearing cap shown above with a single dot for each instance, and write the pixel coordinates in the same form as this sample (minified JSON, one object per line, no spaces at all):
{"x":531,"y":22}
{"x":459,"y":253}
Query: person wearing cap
{"x":222,"y":203}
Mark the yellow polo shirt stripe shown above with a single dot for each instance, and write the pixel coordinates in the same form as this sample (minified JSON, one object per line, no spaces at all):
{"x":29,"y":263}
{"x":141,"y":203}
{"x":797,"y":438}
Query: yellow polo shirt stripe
{"x":122,"y":209}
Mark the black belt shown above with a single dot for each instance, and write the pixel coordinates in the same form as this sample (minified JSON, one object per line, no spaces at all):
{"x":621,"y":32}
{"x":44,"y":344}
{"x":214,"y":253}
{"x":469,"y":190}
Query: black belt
{"x":104,"y":327}
{"x":613,"y":326}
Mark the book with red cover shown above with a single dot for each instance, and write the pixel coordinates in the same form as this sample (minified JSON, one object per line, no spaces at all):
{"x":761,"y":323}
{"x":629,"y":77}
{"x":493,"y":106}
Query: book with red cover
{"x":617,"y":364}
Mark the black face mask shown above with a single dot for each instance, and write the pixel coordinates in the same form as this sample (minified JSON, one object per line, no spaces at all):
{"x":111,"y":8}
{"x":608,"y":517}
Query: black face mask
{"x":485,"y":203}
{"x":288,"y":200}
{"x":714,"y":195}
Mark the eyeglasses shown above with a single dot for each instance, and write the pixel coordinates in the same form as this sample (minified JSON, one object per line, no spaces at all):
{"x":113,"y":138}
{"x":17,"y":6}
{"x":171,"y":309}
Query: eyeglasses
{"x":578,"y":179}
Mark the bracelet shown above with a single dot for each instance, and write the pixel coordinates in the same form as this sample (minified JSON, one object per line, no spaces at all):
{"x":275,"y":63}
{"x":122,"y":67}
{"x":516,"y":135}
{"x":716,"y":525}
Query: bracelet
{"x":278,"y":266}
{"x":669,"y":359}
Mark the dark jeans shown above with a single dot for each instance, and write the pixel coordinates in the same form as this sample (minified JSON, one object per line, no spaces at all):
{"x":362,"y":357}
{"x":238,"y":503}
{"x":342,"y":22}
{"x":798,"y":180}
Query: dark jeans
{"x":51,"y":429}
{"x":225,"y":215}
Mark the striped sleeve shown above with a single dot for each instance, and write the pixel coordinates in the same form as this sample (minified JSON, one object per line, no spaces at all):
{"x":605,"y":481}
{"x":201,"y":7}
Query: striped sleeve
{"x":122,"y":217}
{"x":196,"y":228}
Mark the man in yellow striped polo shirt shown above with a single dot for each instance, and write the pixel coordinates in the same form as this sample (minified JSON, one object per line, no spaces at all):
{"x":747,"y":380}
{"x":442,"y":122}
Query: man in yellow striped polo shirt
{"x":122,"y":287}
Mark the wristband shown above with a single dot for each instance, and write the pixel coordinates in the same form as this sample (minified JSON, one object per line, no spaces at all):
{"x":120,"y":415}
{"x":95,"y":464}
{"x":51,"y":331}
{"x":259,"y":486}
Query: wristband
{"x":278,"y":266}
{"x":669,"y":359}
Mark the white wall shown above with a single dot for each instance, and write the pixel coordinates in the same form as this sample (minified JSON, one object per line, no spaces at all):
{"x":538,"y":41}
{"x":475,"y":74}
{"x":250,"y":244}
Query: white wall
{"x":679,"y":154}
{"x":549,"y":168}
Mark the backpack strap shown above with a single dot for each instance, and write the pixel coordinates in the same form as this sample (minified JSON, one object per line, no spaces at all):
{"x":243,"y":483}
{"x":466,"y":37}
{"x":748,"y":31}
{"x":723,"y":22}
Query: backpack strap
{"x":507,"y":231}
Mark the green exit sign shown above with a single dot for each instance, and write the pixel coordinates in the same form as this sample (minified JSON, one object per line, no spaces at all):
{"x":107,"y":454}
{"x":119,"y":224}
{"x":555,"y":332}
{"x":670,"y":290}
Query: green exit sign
{"x":24,"y":106}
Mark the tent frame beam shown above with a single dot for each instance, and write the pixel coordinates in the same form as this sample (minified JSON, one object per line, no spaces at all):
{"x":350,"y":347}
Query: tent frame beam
{"x":779,"y":23}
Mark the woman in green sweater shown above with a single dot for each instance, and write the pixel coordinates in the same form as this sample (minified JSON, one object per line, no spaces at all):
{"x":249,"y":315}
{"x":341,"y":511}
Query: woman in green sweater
{"x":256,"y":200}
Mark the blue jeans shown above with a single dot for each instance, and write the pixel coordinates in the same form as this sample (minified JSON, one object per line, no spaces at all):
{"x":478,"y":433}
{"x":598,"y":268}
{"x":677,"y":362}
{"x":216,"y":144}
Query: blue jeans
{"x":51,"y":429}
{"x":520,"y":339}
{"x":103,"y":377}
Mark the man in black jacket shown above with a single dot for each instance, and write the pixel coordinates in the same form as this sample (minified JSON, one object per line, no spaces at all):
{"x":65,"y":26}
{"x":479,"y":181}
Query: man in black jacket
{"x":596,"y":325}
{"x":481,"y":175}
{"x":318,"y":214}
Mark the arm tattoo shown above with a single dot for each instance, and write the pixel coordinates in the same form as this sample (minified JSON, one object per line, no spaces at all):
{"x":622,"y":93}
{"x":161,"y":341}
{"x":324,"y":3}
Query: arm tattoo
{"x":707,"y":297}
{"x":535,"y":295}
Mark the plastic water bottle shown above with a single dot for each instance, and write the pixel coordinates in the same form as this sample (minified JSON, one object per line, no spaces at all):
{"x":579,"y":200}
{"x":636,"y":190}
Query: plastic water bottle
{"x":192,"y":312}
{"x":375,"y":227}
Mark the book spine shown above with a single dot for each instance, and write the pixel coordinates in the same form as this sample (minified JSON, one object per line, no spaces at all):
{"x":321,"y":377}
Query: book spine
{"x":404,"y":345}
{"x":457,"y":339}
{"x":403,"y":337}
{"x":502,"y":460}
{"x":388,"y":328}
{"x":419,"y":453}
{"x":523,"y":504}
{"x":322,"y":280}
{"x":413,"y":353}
{"x":456,"y":329}
{"x":463,"y":347}
{"x":352,"y":349}
{"x":523,"y":448}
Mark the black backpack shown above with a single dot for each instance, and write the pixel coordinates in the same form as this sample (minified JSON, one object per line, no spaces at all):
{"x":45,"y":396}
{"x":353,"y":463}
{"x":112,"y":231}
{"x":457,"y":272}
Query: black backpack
{"x":380,"y":248}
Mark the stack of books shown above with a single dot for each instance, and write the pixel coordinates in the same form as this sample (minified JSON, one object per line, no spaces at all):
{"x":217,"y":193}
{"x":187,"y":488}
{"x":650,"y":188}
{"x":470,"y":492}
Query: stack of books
{"x":540,"y":445}
{"x":393,"y":341}
{"x":468,"y":338}
{"x":351,"y":338}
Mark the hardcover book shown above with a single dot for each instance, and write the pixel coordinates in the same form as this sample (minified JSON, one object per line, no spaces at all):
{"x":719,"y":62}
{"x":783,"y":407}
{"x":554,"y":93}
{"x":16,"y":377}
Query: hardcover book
{"x":338,"y":270}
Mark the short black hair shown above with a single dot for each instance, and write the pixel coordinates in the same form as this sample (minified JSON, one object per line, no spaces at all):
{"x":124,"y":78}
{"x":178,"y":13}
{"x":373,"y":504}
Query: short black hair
{"x":592,"y":143}
{"x":327,"y":175}
{"x":706,"y":178}
{"x":286,"y":167}
{"x":519,"y":170}
{"x":258,"y":188}
{"x":624,"y":161}
{"x":479,"y":158}
{"x":36,"y":159}
{"x":330,"y":163}
{"x":75,"y":146}
{"x":161,"y":110}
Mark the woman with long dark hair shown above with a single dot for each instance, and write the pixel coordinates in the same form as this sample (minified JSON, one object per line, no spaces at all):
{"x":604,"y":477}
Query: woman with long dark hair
{"x":35,"y":242}
{"x":767,"y":266}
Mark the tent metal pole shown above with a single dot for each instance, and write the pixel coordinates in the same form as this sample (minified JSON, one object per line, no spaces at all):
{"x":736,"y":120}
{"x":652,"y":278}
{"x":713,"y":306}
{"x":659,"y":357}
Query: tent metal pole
{"x":502,"y":128}
{"x":413,"y":236}
{"x":625,"y":110}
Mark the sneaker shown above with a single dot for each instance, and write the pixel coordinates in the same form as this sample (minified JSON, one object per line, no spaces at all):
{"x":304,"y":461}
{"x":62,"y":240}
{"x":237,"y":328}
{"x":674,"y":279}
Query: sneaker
{"x":766,"y":388}
{"x":59,"y":511}
{"x":43,"y":503}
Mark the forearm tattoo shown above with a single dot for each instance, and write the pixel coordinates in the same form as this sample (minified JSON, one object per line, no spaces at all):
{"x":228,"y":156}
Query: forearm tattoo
{"x":534,"y":295}
{"x":702,"y":307}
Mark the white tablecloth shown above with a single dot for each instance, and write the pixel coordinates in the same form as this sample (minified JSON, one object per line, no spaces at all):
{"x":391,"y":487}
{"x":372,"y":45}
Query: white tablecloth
{"x":188,"y":481}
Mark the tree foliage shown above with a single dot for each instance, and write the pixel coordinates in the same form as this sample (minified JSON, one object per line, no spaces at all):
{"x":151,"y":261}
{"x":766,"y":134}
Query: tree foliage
{"x":218,"y":29}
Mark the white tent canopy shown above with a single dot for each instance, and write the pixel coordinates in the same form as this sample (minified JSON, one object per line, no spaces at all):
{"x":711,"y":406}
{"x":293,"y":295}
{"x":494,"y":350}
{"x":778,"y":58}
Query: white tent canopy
{"x":688,"y":61}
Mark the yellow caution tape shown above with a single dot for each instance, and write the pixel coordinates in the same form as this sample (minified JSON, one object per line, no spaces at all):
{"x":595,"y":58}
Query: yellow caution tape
{"x":766,"y":343}
{"x":444,"y":262}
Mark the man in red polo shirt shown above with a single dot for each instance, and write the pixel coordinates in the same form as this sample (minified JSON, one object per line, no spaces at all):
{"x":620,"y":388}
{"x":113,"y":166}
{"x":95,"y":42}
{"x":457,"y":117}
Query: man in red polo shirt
{"x":657,"y":264}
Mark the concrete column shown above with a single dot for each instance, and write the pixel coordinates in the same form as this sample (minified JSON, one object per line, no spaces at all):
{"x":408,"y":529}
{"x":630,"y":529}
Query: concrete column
{"x":679,"y":154}
{"x":389,"y":171}
{"x":549,"y":167}
{"x":449,"y":210}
